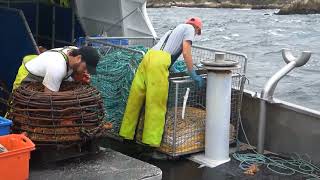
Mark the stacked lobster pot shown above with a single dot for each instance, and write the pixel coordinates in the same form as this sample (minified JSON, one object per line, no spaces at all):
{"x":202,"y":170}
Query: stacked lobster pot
{"x":62,"y":124}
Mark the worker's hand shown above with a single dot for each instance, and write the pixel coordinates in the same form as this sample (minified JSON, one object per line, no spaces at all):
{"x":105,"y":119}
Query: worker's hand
{"x":199,"y":80}
{"x":86,"y":78}
{"x":41,"y":49}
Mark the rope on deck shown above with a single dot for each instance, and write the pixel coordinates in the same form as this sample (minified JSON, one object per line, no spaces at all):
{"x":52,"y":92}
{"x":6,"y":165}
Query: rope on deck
{"x":282,"y":166}
{"x":279,"y":165}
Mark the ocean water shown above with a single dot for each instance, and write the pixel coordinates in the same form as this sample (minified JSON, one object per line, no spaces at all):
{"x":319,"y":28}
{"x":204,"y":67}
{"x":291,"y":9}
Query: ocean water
{"x":260,"y":35}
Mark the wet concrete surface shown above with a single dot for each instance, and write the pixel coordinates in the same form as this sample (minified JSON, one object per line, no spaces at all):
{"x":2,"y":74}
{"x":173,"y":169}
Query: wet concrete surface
{"x":184,"y":169}
{"x":109,"y":165}
{"x":117,"y":165}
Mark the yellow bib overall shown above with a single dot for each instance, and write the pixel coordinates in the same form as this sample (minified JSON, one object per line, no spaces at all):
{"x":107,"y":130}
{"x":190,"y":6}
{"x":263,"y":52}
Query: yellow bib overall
{"x":150,"y":86}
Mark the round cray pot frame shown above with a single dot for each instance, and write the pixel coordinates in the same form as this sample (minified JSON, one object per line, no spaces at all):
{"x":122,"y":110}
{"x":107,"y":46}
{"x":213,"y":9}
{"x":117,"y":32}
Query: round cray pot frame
{"x":74,"y":114}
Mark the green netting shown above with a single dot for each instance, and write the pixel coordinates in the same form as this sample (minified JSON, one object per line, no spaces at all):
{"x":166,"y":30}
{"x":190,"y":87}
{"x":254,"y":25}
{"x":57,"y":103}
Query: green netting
{"x":115,"y":73}
{"x":179,"y":66}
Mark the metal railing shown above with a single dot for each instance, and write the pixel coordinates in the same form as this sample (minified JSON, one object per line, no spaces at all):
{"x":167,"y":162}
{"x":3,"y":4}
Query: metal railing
{"x":270,"y":86}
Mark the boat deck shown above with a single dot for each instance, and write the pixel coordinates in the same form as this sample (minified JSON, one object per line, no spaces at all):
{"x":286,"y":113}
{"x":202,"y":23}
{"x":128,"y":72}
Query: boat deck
{"x":109,"y":165}
{"x":116,"y":164}
{"x":185,"y":169}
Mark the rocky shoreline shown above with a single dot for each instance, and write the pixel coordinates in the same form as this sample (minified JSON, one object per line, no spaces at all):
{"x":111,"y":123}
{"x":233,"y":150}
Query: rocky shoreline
{"x":226,"y":4}
{"x":286,"y":6}
{"x":301,"y":7}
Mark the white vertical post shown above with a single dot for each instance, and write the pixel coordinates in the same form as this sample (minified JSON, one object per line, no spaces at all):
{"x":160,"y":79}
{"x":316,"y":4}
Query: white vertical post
{"x":218,"y":115}
{"x":218,"y":107}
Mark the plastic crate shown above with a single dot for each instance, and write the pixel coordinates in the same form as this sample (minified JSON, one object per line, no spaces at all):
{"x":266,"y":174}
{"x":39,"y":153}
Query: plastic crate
{"x":5,"y":126}
{"x":14,"y":164}
{"x":119,"y":42}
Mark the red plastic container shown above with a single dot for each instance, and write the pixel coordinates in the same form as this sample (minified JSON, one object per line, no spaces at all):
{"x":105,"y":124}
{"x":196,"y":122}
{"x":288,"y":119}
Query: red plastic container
{"x":14,"y":164}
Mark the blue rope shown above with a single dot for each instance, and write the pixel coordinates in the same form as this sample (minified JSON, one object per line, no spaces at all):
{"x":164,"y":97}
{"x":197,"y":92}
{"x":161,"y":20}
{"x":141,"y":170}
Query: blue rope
{"x":277,"y":164}
{"x":179,"y":66}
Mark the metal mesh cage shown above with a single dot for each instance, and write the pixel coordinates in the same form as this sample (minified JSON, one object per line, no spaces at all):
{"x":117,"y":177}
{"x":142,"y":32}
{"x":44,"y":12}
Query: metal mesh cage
{"x":184,"y":131}
{"x":186,"y":113}
{"x":185,"y":120}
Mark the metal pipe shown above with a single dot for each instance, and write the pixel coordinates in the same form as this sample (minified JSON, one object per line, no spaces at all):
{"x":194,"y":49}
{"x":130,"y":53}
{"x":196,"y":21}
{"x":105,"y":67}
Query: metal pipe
{"x":218,"y":115}
{"x":29,"y":31}
{"x":53,"y":27}
{"x":147,"y":20}
{"x":262,"y":126}
{"x":130,"y":38}
{"x":270,"y":86}
{"x":73,"y":22}
{"x":37,"y":22}
{"x":176,"y":104}
{"x":268,"y":91}
{"x":218,"y":107}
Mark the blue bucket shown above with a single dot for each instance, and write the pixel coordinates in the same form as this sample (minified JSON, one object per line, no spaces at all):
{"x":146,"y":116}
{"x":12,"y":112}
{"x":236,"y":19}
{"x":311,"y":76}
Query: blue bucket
{"x":5,"y":126}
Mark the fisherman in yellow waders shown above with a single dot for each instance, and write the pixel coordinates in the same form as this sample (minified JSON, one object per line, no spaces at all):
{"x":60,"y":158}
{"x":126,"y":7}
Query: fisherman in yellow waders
{"x":56,"y":65}
{"x":150,"y":84}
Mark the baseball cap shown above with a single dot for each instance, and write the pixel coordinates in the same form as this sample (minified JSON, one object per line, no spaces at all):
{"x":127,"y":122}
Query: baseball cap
{"x":195,"y":21}
{"x":91,"y":56}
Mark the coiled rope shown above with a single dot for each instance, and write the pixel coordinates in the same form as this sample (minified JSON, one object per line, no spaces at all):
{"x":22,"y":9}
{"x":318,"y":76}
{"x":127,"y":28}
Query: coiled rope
{"x":276,"y":164}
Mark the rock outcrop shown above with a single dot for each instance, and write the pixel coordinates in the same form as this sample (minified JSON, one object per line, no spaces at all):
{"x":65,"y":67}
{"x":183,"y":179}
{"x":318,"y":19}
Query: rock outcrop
{"x":285,"y":6}
{"x":254,"y":4}
{"x":301,"y":7}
